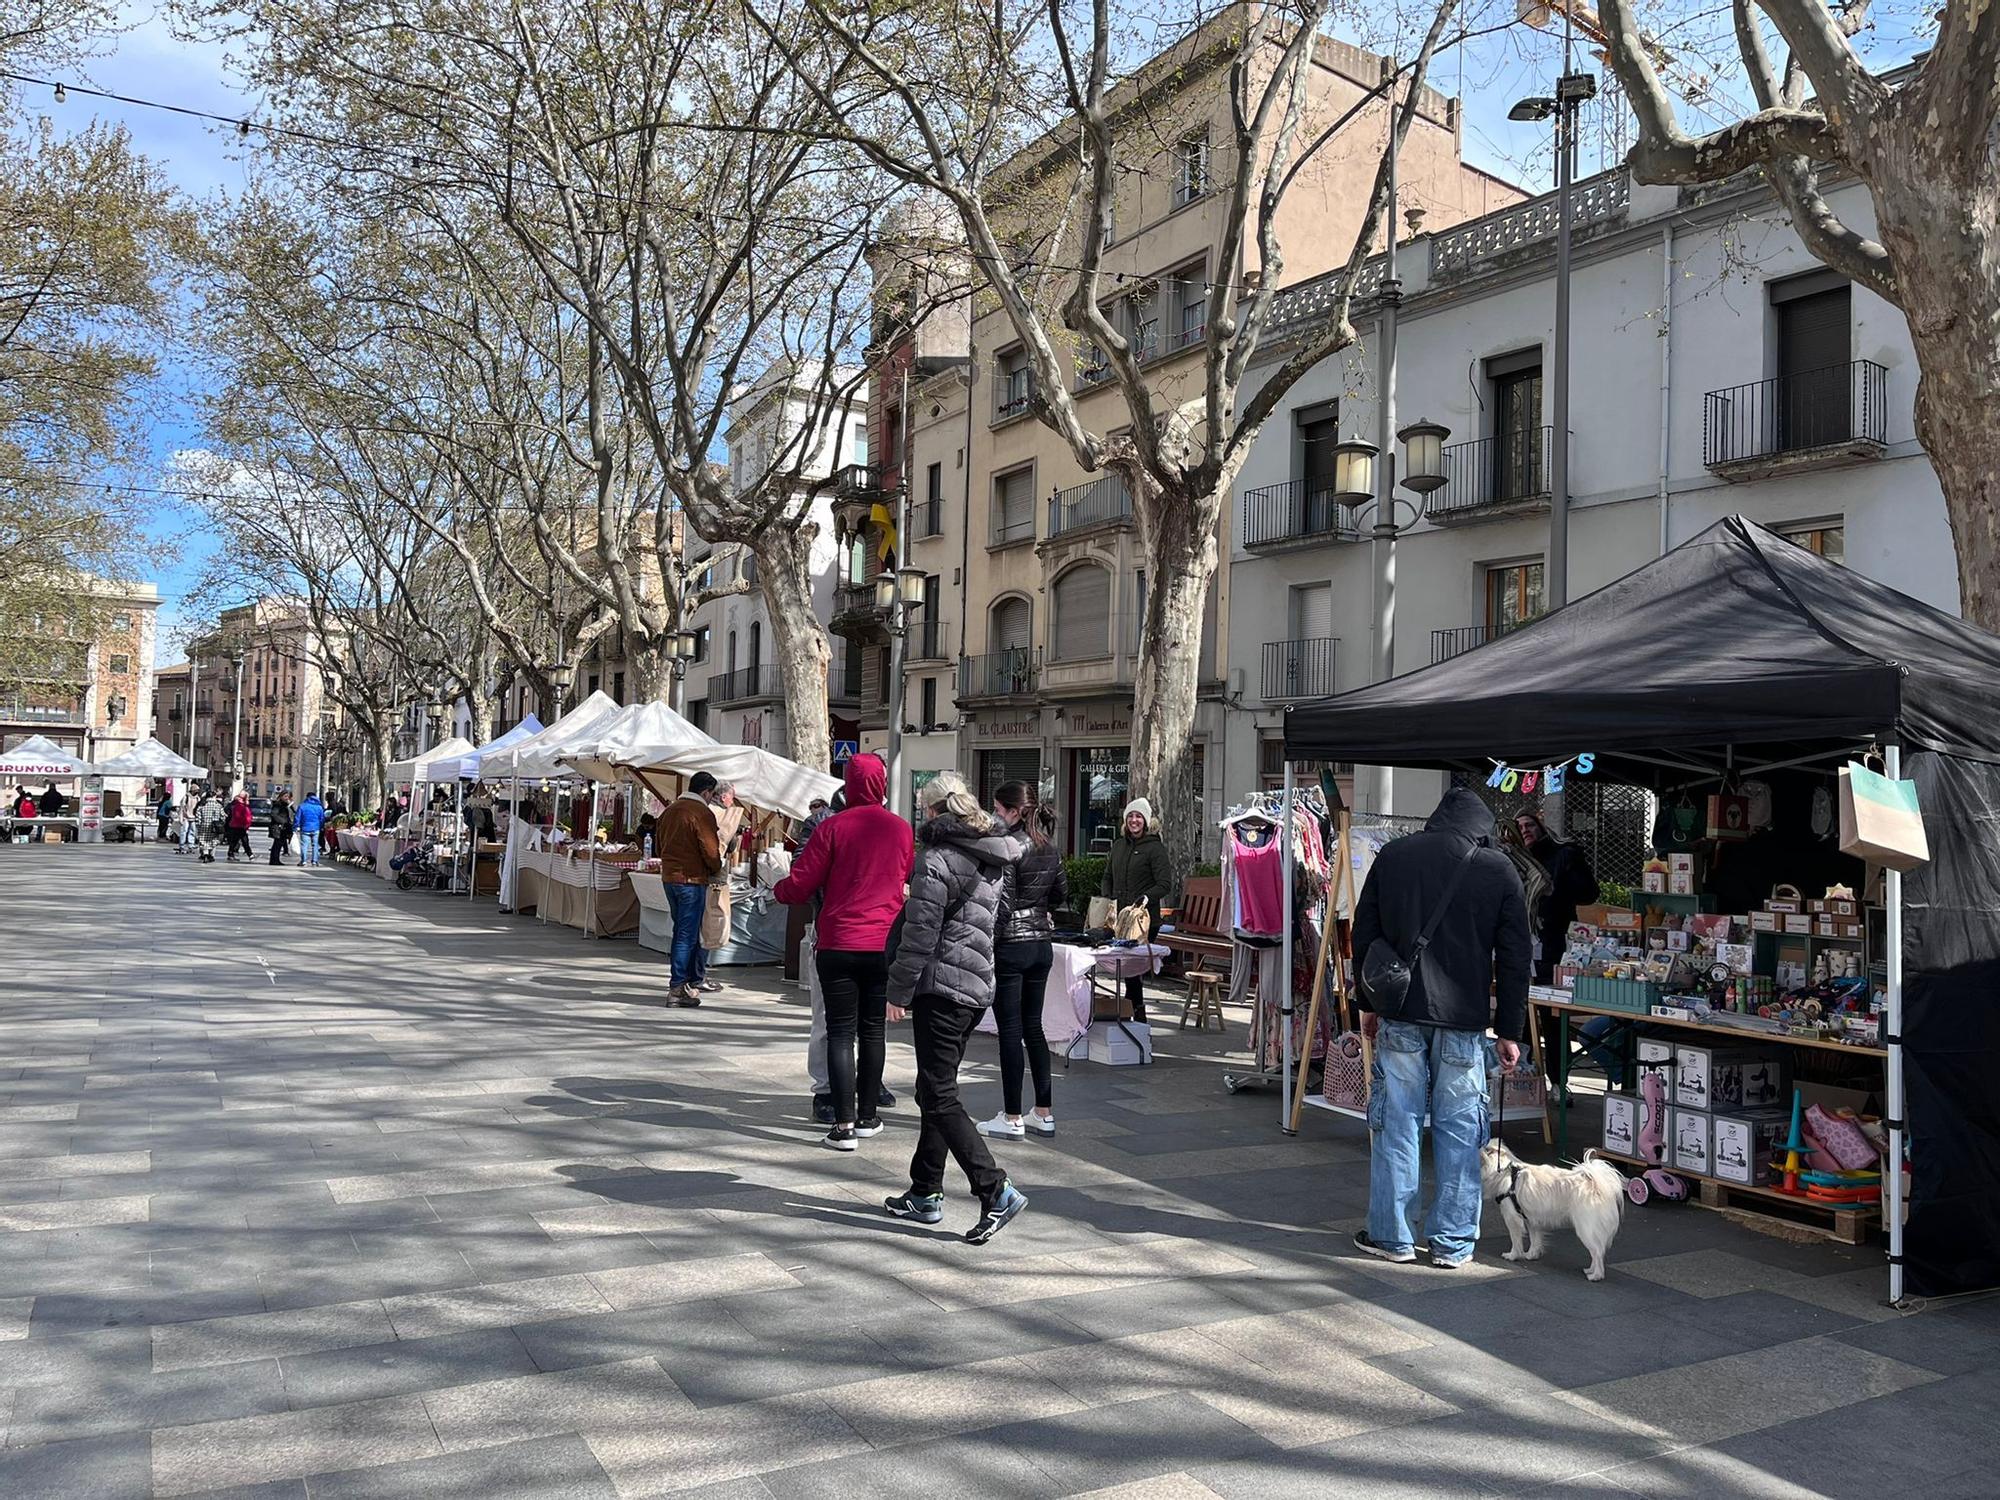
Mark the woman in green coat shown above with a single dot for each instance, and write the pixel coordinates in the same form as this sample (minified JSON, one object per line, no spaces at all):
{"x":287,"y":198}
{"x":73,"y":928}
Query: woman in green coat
{"x":1137,"y":871}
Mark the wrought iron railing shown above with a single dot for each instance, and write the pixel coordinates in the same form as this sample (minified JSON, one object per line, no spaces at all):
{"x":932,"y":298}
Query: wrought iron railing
{"x":1499,"y":470}
{"x":1840,"y":404}
{"x":1101,"y":500}
{"x":930,"y":640}
{"x":1298,"y":670}
{"x":759,"y":681}
{"x":1186,"y":338}
{"x":1021,"y":529}
{"x":930,"y":518}
{"x":16,"y":709}
{"x":1445,"y":644}
{"x":1293,"y":511}
{"x":998,"y":674}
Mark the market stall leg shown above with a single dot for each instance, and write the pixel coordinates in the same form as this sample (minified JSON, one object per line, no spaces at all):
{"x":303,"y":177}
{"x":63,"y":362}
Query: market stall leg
{"x":1285,"y":971}
{"x":1892,"y":1025}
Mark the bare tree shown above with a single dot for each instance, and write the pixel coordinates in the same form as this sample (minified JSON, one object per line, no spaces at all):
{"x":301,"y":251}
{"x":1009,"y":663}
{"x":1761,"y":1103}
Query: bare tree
{"x":1925,"y":141}
{"x":937,"y":97}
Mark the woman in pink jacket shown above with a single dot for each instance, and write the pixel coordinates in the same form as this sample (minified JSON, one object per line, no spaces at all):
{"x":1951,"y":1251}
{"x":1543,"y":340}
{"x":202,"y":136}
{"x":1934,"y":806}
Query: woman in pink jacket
{"x":857,"y":862}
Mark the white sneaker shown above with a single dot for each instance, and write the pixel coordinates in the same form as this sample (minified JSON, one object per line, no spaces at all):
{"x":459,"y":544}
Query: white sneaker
{"x":1040,"y":1124}
{"x":1003,"y":1128}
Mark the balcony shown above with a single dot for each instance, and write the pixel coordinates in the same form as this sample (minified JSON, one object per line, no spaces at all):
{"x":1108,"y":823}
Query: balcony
{"x":928,"y":519}
{"x":64,"y":713}
{"x":1445,"y":644}
{"x":858,"y":482}
{"x":855,"y":614}
{"x":1104,"y":501}
{"x":1501,"y":475}
{"x":1006,"y":533}
{"x":1298,"y":671}
{"x":1093,"y":669}
{"x":1299,"y":510}
{"x":998,"y":675}
{"x":744,"y":685}
{"x":1819,"y":419}
{"x":929,"y":640}
{"x":1186,"y":338}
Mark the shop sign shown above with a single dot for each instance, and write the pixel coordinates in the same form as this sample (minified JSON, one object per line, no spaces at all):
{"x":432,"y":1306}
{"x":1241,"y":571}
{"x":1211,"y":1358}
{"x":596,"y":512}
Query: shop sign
{"x":1027,"y":727}
{"x":1107,"y":722}
{"x":1546,"y":779}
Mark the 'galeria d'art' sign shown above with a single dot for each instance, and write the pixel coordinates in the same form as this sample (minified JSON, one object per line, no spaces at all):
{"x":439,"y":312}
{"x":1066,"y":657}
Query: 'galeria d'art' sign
{"x":1548,"y":780}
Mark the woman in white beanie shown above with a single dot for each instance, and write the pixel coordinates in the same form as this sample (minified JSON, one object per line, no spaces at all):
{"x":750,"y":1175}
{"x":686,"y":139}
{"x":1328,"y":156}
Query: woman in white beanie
{"x":1137,"y":871}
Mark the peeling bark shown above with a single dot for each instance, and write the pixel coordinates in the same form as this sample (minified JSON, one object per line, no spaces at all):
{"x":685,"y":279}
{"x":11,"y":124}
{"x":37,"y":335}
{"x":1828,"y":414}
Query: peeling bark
{"x":798,"y":641}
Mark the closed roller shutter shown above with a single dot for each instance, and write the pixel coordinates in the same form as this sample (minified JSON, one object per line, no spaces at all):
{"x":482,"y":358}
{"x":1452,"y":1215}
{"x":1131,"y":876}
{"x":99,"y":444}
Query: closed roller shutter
{"x":1083,"y":614}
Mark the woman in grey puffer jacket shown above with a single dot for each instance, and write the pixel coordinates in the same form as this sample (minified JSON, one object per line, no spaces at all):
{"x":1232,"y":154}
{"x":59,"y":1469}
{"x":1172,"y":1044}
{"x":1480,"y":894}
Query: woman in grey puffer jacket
{"x":941,"y":975}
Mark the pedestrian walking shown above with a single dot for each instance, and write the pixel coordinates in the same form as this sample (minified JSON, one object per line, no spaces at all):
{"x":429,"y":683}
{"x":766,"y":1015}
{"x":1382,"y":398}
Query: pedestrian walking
{"x":240,"y":820}
{"x":311,"y":819}
{"x":856,"y":865}
{"x":690,"y":858}
{"x":941,"y":976}
{"x":166,"y":814}
{"x":1022,"y":958}
{"x":715,"y":915}
{"x":1443,"y":910}
{"x":1138,"y":872}
{"x":211,"y":822}
{"x":279,"y":823}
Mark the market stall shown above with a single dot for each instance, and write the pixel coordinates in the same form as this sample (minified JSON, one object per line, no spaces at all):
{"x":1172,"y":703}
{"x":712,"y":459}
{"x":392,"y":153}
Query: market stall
{"x":40,"y":759}
{"x":149,"y":760}
{"x":484,"y":880}
{"x":432,"y":824}
{"x":1740,"y":657}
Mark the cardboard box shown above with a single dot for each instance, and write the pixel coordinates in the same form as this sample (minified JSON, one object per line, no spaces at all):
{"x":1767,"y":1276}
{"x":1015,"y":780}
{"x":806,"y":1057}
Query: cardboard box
{"x":1622,"y":921}
{"x":1739,"y":957}
{"x":1850,"y":930}
{"x":1837,"y":906}
{"x":1763,"y":921}
{"x":1798,"y":926}
{"x":1730,"y":1078}
{"x":1783,"y":905}
{"x":1121,"y":1044}
{"x":1693,"y":1139}
{"x":1657,"y":1057}
{"x":1625,"y":1118}
{"x":1654,"y":882}
{"x":1741,"y":1144}
{"x":1679,"y":884}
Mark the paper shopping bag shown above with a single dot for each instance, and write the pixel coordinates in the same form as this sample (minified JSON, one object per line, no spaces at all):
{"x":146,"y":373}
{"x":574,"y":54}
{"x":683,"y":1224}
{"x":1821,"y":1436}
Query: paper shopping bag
{"x":1880,"y":820}
{"x":1100,"y":912}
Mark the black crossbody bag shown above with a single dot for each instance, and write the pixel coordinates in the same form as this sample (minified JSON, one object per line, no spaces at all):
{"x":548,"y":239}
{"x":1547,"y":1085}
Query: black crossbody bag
{"x":1385,"y":975}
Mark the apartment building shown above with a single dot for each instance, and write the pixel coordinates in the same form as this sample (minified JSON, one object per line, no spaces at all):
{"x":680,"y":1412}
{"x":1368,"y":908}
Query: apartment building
{"x":1717,"y":368}
{"x":1056,"y":581}
{"x":91,"y":689}
{"x":261,"y":714}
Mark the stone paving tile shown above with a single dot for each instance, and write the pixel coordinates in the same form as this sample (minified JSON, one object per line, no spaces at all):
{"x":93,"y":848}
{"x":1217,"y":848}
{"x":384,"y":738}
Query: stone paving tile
{"x":969,"y":1465}
{"x":1861,"y":1295}
{"x":631,"y":1396}
{"x":930,"y":1404}
{"x":494,"y":1305}
{"x":554,"y":1468}
{"x":290,"y":1445}
{"x":74,"y":1214}
{"x":671,"y":1281}
{"x":15,"y":1315}
{"x":129,"y":1401}
{"x":401,"y":1366}
{"x":103,"y":1468}
{"x":222,"y":1341}
{"x":94,"y":1164}
{"x":731,"y":1442}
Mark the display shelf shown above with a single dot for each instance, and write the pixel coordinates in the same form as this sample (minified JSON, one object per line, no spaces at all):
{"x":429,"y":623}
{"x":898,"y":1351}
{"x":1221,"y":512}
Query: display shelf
{"x":1713,"y":1029}
{"x":1850,"y":1220}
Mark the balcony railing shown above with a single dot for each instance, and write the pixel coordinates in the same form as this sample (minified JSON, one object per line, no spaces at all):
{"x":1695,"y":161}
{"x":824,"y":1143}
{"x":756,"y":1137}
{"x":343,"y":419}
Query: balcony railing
{"x":1102,"y":500}
{"x":15,"y":709}
{"x":1093,"y":372}
{"x":745,"y":683}
{"x":999,"y":674}
{"x":1293,"y":511}
{"x":1186,"y":338}
{"x":1021,"y":529}
{"x":930,"y":640}
{"x":1295,"y":671}
{"x":1445,"y":644}
{"x":930,"y":518}
{"x":858,"y":482}
{"x":1500,"y":470}
{"x":1842,"y":407}
{"x":1011,"y":395}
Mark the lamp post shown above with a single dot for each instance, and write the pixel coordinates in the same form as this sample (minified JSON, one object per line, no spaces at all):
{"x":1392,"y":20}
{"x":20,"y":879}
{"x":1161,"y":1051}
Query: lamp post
{"x":560,"y":677}
{"x":1573,"y":91}
{"x":236,"y":728}
{"x":681,"y":647}
{"x":897,"y":594}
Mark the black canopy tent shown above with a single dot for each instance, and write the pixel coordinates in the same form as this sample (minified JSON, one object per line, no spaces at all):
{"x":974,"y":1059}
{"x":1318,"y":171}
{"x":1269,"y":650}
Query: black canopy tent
{"x":1740,"y":651}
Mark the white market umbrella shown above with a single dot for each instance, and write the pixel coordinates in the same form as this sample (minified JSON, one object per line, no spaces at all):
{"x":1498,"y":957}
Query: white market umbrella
{"x":541,"y":755}
{"x":468,"y":763}
{"x":762,"y":779}
{"x":38,"y":755}
{"x":652,"y":732}
{"x":151,"y":759}
{"x":439,"y":763}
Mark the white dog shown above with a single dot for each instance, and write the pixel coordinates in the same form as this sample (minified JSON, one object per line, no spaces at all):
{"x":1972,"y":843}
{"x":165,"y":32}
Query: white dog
{"x":1589,"y":1198}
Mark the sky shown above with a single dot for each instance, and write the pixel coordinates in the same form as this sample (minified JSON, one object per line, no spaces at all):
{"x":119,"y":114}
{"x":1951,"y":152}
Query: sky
{"x":146,"y":60}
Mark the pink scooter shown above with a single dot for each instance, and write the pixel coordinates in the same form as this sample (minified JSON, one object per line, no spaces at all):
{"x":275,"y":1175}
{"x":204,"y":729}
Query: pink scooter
{"x":1653,"y":1182}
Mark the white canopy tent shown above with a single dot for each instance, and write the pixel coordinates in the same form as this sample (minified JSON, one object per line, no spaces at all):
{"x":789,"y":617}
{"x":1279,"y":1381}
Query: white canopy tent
{"x":761,"y":779}
{"x":469,"y":763}
{"x":151,"y":760}
{"x":439,"y":763}
{"x":541,"y":755}
{"x":39,"y":756}
{"x":642,"y":730}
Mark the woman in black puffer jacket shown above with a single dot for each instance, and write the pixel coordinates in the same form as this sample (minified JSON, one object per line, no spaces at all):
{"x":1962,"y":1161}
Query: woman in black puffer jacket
{"x":1022,"y":958}
{"x":941,"y":976}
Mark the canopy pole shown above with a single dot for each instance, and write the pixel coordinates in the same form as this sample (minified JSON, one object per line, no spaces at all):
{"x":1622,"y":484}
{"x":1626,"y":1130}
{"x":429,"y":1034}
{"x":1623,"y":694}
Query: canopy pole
{"x":555,"y":822}
{"x":1285,"y":967}
{"x":590,"y":874}
{"x":1892,"y":1019}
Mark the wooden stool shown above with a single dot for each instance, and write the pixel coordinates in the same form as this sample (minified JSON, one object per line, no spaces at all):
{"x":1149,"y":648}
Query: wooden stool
{"x":1204,"y":998}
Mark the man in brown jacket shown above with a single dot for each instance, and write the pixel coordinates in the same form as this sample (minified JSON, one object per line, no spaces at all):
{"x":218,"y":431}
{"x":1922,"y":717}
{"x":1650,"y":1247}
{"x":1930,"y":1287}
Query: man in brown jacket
{"x":690,"y":858}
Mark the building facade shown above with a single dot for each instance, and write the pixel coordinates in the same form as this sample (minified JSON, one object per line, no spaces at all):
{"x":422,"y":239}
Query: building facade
{"x":1717,"y":368}
{"x":261,"y":715}
{"x":92,"y":690}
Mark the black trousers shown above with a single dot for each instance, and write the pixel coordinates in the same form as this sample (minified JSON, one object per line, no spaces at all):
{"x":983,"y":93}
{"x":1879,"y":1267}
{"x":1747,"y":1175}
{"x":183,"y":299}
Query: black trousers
{"x":239,"y":838}
{"x":942,"y":1029}
{"x":1135,"y":987}
{"x":278,"y":842}
{"x":855,"y":989}
{"x":1020,"y":980}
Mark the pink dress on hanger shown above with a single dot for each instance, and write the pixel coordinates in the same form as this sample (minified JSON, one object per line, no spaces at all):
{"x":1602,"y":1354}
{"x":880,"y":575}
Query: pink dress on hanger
{"x":1260,"y":889}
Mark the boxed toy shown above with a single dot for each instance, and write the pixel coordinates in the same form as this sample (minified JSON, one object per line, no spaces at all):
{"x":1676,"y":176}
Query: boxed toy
{"x":1743,"y":1144}
{"x":1798,"y":926}
{"x":1625,"y":1120}
{"x":1681,"y":875}
{"x":1712,"y":1078}
{"x":1764,"y":921}
{"x":1657,"y":1056}
{"x":1692,"y":1141}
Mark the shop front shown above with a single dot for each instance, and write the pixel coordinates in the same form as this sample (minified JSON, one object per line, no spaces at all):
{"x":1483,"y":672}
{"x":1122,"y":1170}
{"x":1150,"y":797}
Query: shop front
{"x":1005,"y":745}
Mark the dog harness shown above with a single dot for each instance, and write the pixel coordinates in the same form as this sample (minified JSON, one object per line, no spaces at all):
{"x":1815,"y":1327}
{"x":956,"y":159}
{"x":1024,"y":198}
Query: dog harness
{"x":1514,"y":1181}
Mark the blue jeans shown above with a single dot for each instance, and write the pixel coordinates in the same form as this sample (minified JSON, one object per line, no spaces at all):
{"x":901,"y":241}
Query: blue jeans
{"x":309,"y":847}
{"x":1418,"y":1069}
{"x":689,"y":904}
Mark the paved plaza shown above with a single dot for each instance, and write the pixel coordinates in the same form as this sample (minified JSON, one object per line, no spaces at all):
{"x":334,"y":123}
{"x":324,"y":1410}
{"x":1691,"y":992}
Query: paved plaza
{"x":308,"y":1188}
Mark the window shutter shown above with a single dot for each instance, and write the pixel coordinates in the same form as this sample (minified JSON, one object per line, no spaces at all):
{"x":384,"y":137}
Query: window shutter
{"x":1011,"y":626}
{"x":1312,"y":609}
{"x":1813,"y":332}
{"x":1083,"y":614}
{"x":1017,"y":503}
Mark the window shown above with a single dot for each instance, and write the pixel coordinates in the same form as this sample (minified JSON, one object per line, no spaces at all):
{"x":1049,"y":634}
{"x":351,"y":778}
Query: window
{"x":928,"y":698}
{"x":934,"y":500}
{"x":860,"y":440}
{"x":729,"y":664}
{"x":1827,"y":538}
{"x":857,"y":561}
{"x":1518,"y":449}
{"x":1271,"y":768}
{"x":1190,"y":167}
{"x":1093,"y":365}
{"x":1312,"y":612}
{"x":882,"y":675}
{"x":595,"y":682}
{"x":1190,"y":307}
{"x":121,"y":621}
{"x":892,"y":437}
{"x":1142,"y":322}
{"x":701,"y":644}
{"x":1081,"y":600}
{"x":756,"y":650}
{"x":1318,"y":435}
{"x":1813,"y":405}
{"x":1014,"y":383}
{"x":1012,"y":625}
{"x":851,"y":662}
{"x":121,"y":665}
{"x":750,"y":569}
{"x":618,"y":687}
{"x":1513,"y":596}
{"x":1014,"y":506}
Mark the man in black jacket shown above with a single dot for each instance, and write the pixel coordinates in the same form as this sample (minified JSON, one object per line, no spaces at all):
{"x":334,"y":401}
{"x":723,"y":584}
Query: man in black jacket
{"x":1430,"y":1053}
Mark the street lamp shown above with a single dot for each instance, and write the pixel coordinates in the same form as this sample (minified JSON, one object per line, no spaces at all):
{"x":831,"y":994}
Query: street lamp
{"x":681,"y":648}
{"x":236,"y":728}
{"x":1423,"y":456}
{"x":1354,"y":473}
{"x":1573,"y":91}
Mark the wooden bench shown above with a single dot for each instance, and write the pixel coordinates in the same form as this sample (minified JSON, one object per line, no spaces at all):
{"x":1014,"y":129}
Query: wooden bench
{"x":1200,"y":936}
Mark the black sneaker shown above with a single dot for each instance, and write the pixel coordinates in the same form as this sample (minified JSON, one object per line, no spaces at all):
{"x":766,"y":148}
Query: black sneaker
{"x":870,"y":1126}
{"x":1382,"y":1252}
{"x":996,"y":1215}
{"x":925,"y":1208}
{"x":823,"y":1108}
{"x":840,"y":1138}
{"x":885,"y":1100}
